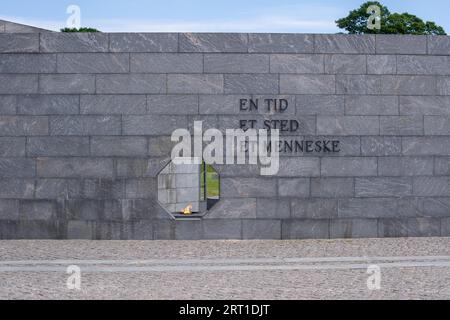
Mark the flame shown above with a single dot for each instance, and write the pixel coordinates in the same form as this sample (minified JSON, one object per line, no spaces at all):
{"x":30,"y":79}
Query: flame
{"x":187,"y":210}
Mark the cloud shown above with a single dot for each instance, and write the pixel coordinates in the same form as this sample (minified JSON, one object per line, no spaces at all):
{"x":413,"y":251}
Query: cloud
{"x":297,"y":18}
{"x":263,"y":24}
{"x":44,"y":24}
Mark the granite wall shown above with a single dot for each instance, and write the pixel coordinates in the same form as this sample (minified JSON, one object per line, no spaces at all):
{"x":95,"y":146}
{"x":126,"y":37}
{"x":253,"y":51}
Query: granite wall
{"x":85,"y":124}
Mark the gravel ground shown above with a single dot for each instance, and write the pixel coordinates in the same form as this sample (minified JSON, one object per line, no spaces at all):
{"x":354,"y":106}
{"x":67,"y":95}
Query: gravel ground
{"x":415,"y":268}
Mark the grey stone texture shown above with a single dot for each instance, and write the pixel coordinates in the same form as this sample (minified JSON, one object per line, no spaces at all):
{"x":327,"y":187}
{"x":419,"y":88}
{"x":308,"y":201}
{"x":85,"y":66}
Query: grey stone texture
{"x":86,"y":120}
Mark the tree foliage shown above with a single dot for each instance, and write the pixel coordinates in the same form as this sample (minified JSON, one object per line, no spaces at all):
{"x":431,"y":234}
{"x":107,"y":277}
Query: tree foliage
{"x":391,"y":23}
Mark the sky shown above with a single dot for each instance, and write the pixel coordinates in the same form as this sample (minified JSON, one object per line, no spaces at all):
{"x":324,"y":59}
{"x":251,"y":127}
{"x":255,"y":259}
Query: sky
{"x":313,"y":16}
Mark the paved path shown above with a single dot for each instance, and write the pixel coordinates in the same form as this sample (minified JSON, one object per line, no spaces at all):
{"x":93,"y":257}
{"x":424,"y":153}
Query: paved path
{"x":416,"y":268}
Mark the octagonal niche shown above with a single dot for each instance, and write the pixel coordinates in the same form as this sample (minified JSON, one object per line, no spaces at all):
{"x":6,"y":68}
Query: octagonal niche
{"x":188,"y":191}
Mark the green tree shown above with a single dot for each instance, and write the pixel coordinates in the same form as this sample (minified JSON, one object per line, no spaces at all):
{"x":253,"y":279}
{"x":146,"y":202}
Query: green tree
{"x":83,"y":29}
{"x":391,"y":23}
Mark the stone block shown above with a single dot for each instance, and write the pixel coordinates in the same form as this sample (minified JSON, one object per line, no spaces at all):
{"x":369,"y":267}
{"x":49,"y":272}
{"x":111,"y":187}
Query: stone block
{"x":233,"y":208}
{"x":426,"y":105}
{"x":66,"y":83}
{"x":195,"y":83}
{"x":314,"y":208}
{"x":84,"y":209}
{"x":319,"y":104}
{"x":371,"y":105}
{"x":160,"y":146}
{"x":37,"y":210}
{"x":280,"y":43}
{"x":426,"y":146}
{"x":270,"y":208}
{"x":131,"y":83}
{"x":142,"y":209}
{"x":349,"y":166}
{"x":143,"y":188}
{"x":140,"y":168}
{"x":367,"y":208}
{"x":47,"y":104}
{"x":437,"y":125}
{"x":28,"y":63}
{"x":383,"y":187}
{"x":353,"y":84}
{"x":381,"y":146}
{"x":9,"y":209}
{"x":166,"y":63}
{"x":392,"y":227}
{"x":93,"y":63}
{"x":213,"y":42}
{"x":17,"y":167}
{"x":293,"y":187}
{"x":435,"y":207}
{"x":401,"y":125}
{"x":73,"y":42}
{"x":445,"y":227}
{"x":85,"y":125}
{"x":415,"y":85}
{"x":404,"y":44}
{"x":38,"y":229}
{"x":188,"y":230}
{"x":113,"y":104}
{"x":424,"y":227}
{"x":74,"y":168}
{"x":354,"y":228}
{"x":19,"y":42}
{"x":160,"y":124}
{"x":247,"y":187}
{"x":220,"y":104}
{"x":340,"y":43}
{"x":299,"y":167}
{"x":81,"y":230}
{"x":143,"y":42}
{"x":222,"y":229}
{"x":438,"y":45}
{"x":347,"y":125}
{"x":332,"y":187}
{"x":345,"y":64}
{"x":57,"y":146}
{"x":18,"y":83}
{"x":429,"y":65}
{"x":172,"y":104}
{"x":297,"y":63}
{"x":307,"y":84}
{"x":381,"y":64}
{"x":236,"y":63}
{"x":57,"y":189}
{"x":12,"y":147}
{"x":251,"y":84}
{"x":431,"y":186}
{"x":305,"y":229}
{"x":141,"y":230}
{"x":23,"y":125}
{"x":405,"y":166}
{"x":8,"y":104}
{"x":102,"y":189}
{"x":16,"y":188}
{"x":164,"y":229}
{"x":442,"y":166}
{"x":119,"y":146}
{"x":261,"y":229}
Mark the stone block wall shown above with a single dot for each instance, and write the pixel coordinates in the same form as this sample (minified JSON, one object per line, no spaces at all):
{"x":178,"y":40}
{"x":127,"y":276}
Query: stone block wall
{"x":85,"y":124}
